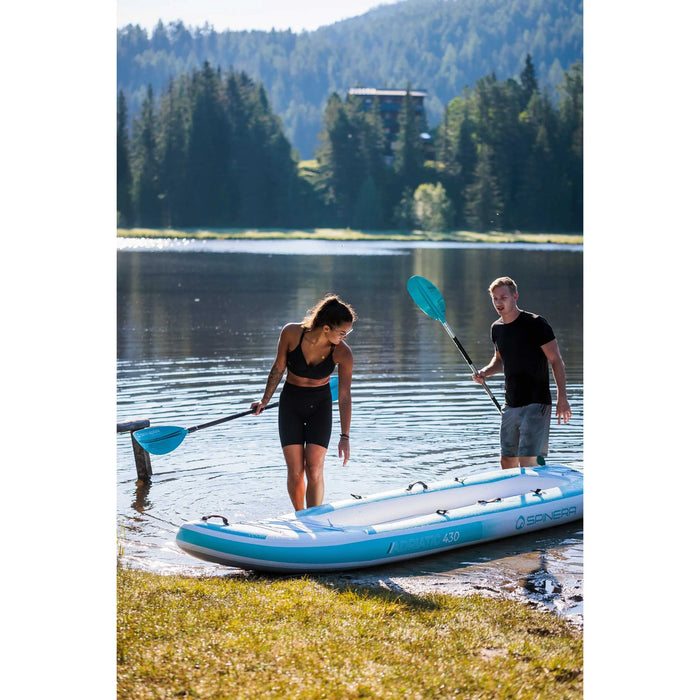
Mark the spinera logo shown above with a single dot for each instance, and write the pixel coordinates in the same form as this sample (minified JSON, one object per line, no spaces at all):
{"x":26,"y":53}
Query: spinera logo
{"x":522,"y":522}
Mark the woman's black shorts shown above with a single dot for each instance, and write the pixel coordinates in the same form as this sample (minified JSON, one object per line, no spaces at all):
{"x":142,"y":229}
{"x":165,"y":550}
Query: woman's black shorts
{"x":305,"y":415}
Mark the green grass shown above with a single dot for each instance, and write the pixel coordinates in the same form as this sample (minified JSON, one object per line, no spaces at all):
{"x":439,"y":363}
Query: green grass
{"x":329,"y":234}
{"x":288,"y":638}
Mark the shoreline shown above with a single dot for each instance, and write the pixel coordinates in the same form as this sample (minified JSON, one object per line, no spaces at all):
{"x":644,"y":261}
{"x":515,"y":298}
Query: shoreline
{"x":517,"y":582}
{"x":331,"y":234}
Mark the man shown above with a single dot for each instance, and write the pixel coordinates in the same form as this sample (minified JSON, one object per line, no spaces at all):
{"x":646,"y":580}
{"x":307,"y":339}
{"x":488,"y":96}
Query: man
{"x":524,"y":345}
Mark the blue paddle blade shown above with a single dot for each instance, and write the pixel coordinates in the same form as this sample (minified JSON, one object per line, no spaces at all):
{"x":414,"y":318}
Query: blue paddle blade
{"x":427,"y":296}
{"x":160,"y":440}
{"x":334,"y":387}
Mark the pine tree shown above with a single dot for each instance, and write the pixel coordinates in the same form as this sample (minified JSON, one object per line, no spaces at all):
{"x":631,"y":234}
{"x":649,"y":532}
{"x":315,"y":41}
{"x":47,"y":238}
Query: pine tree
{"x":367,"y":213}
{"x":498,"y":127}
{"x":408,"y":163}
{"x":466,"y":159}
{"x":279,"y":171}
{"x":124,"y":180}
{"x":372,"y":196}
{"x":340,"y":159}
{"x":172,"y":154}
{"x":484,"y":203}
{"x":528,"y":80}
{"x":571,"y":145}
{"x":247,"y":183}
{"x":209,"y":154}
{"x":403,"y":216}
{"x":147,"y":203}
{"x":540,"y":187}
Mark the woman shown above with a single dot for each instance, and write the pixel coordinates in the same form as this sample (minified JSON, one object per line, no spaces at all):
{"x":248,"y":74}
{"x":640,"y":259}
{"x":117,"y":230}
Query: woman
{"x":308,"y":352}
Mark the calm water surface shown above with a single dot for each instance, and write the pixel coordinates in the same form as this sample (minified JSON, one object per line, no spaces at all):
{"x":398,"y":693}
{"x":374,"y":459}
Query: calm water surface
{"x":198,"y":324}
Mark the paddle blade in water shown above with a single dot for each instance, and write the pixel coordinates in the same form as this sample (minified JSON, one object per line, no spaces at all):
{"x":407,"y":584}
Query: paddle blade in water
{"x":160,"y":440}
{"x":427,"y":296}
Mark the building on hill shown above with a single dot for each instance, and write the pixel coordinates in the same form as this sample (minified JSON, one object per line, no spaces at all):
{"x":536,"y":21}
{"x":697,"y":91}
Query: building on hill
{"x":390,"y":103}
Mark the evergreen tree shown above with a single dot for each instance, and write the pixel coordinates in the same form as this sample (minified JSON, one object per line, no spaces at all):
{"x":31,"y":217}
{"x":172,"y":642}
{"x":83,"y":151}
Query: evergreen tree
{"x":270,"y":178}
{"x":403,"y":216}
{"x":147,"y":203}
{"x":352,"y":172}
{"x":312,"y":206}
{"x":248,"y":174}
{"x":455,"y":167}
{"x":172,"y":155}
{"x":465,"y":159}
{"x":340,"y":159}
{"x":408,"y":163}
{"x":528,"y":80}
{"x":367,"y":213}
{"x":571,"y":145}
{"x":484,"y":203}
{"x":372,"y":199}
{"x":124,"y":180}
{"x":498,"y":127}
{"x":541,"y":184}
{"x":209,"y":154}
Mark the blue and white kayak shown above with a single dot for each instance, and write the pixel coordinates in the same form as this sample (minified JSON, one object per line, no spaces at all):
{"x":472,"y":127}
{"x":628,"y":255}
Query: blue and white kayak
{"x":422,"y":519}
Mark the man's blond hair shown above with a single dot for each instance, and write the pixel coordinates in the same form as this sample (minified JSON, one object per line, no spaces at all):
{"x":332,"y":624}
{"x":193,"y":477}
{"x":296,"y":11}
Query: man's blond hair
{"x":503,"y":282}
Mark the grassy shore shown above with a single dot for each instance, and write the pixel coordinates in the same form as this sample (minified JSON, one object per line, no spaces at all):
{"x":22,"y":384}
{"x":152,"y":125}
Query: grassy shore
{"x":291,"y":638}
{"x":329,"y":234}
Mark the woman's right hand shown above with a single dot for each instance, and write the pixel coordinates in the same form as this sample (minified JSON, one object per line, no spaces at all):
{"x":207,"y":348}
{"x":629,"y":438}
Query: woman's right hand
{"x":257,"y":407}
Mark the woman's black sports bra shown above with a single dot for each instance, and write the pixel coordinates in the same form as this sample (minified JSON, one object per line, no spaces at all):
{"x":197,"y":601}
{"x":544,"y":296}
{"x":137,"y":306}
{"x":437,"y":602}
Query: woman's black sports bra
{"x":296,"y":363}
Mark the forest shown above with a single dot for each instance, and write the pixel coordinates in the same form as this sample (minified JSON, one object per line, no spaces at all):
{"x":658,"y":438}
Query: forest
{"x":209,"y":151}
{"x":439,"y":46}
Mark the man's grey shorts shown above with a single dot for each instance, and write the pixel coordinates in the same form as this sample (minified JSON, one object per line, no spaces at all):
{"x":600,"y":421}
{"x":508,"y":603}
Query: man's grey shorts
{"x":525,"y":430}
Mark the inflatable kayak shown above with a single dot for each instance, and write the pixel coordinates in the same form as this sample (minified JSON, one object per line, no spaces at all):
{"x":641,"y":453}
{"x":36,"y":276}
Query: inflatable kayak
{"x":421,"y":519}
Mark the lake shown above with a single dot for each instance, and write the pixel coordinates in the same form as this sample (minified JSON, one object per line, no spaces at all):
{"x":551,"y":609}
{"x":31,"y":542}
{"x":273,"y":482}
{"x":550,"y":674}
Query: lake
{"x":198,"y":324}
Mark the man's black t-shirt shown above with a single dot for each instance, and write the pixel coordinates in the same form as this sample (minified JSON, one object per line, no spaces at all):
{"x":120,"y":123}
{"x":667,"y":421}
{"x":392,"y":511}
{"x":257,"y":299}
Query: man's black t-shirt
{"x":524,"y":364}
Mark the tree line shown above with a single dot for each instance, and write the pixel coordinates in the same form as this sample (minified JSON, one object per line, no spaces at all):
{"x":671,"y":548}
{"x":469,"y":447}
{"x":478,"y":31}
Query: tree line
{"x":209,"y":151}
{"x":438,"y":45}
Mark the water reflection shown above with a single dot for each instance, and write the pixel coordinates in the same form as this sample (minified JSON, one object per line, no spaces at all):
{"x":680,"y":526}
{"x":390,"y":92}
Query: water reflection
{"x":197,"y":333}
{"x":141,"y":502}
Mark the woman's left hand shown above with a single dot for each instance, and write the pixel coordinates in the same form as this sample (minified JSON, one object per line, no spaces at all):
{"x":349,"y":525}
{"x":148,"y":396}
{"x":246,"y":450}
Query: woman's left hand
{"x":344,"y":449}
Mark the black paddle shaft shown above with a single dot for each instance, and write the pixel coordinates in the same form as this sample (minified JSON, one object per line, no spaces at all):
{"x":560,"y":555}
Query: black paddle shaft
{"x":465,"y":355}
{"x":227,"y":418}
{"x":463,"y":351}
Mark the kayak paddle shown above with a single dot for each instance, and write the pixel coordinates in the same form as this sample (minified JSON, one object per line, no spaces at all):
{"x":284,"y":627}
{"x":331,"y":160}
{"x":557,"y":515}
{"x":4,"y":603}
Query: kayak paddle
{"x":429,"y":300}
{"x":159,"y":440}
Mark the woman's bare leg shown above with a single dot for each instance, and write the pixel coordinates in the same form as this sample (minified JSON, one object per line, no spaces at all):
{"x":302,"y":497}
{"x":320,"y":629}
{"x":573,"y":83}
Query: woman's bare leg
{"x":294,"y":456}
{"x":315,"y":456}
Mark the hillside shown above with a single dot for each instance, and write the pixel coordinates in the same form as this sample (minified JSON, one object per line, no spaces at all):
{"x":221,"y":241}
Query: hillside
{"x":438,"y":45}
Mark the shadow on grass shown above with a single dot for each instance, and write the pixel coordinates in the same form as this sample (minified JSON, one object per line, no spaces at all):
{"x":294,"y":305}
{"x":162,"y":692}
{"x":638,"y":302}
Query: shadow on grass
{"x":523,"y":562}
